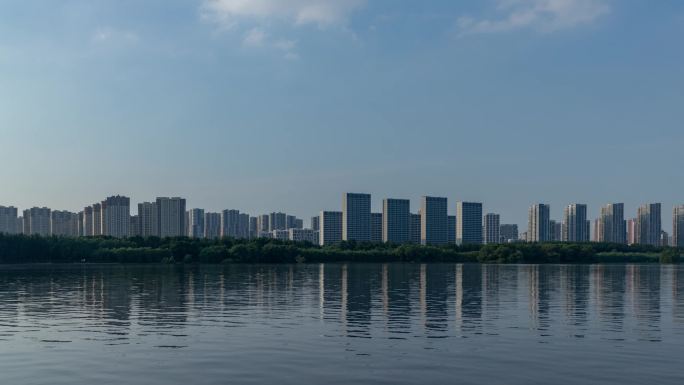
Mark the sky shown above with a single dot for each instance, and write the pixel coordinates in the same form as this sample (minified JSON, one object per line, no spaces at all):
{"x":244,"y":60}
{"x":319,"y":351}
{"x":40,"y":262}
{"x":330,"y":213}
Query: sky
{"x":283,"y":105}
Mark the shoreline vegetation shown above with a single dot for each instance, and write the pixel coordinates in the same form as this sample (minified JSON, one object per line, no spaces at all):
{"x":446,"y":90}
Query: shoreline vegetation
{"x":21,"y":249}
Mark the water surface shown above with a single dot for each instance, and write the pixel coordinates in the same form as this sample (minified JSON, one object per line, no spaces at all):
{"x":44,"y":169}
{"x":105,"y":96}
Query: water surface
{"x":342,"y":323}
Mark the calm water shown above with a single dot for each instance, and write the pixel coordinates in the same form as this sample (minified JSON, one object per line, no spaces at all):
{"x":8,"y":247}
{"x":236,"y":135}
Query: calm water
{"x":338,"y":324}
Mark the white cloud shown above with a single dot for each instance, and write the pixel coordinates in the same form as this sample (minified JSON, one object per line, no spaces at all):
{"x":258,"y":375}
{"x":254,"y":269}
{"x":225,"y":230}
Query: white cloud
{"x":320,"y":12}
{"x":254,"y":38}
{"x":544,"y":15}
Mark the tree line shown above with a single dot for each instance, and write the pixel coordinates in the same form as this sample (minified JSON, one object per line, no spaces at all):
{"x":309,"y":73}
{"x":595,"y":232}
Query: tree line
{"x":19,"y":249}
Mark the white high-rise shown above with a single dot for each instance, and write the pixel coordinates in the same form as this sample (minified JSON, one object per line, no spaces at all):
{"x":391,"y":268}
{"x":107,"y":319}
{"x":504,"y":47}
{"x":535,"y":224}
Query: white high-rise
{"x":612,"y":227}
{"x":212,"y":225}
{"x":116,"y":216}
{"x":575,"y":224}
{"x":63,"y":223}
{"x":648,"y":224}
{"x":171,"y":216}
{"x":678,"y":226}
{"x":37,"y":221}
{"x":148,"y":215}
{"x":196,"y":223}
{"x":538,"y":223}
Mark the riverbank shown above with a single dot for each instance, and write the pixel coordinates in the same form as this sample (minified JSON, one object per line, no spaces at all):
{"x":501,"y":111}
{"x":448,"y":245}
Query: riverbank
{"x":19,"y":249}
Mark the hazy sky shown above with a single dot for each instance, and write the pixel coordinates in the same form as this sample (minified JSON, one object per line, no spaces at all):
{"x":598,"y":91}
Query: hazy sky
{"x":265,"y":105}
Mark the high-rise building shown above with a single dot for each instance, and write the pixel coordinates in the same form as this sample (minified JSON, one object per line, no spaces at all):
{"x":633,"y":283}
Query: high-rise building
{"x":596,"y":234}
{"x":664,"y":239}
{"x":253,"y":228}
{"x":678,"y":226}
{"x":414,"y":228}
{"x":149,"y":219}
{"x":468,"y":223}
{"x":612,"y":227}
{"x":556,"y":231}
{"x":88,"y":226}
{"x":243,"y":226}
{"x":81,"y":224}
{"x":396,"y":218}
{"x":434,"y":222}
{"x":575,"y":228}
{"x":356,"y":217}
{"x":277,"y":221}
{"x":116,"y":216}
{"x":509,"y":233}
{"x":63,"y":223}
{"x":196,"y":223}
{"x":134,"y":227}
{"x":451,"y":229}
{"x":97,"y":219}
{"x":376,"y":228}
{"x":171,"y":216}
{"x":492,"y":229}
{"x":230,"y":223}
{"x":263,"y":224}
{"x":315,"y":223}
{"x":37,"y":221}
{"x":538,"y":223}
{"x":8,"y":220}
{"x":649,"y":224}
{"x":212,"y":225}
{"x":331,"y":228}
{"x":290,"y":222}
{"x":632,"y":231}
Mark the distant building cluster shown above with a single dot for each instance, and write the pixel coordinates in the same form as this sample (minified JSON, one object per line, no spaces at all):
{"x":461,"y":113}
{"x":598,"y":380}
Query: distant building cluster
{"x":396,"y":224}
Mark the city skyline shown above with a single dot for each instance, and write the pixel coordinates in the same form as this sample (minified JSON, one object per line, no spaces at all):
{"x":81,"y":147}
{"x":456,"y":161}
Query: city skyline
{"x":357,"y":221}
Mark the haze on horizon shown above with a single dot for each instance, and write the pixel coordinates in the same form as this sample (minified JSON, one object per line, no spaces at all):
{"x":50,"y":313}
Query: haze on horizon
{"x":283,"y":105}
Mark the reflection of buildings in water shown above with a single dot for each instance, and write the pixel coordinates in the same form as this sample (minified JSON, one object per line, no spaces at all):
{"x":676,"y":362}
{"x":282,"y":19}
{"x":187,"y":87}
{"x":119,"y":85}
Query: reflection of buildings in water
{"x":677,"y":294}
{"x":470,"y":307}
{"x":533,"y":284}
{"x":458,"y":295}
{"x":422,"y":293}
{"x":359,"y":299}
{"x":321,"y":290}
{"x":609,"y":288}
{"x":162,"y":295}
{"x":434,"y":298}
{"x":398,"y":289}
{"x":574,"y":282}
{"x":344,"y":297}
{"x":490,"y":290}
{"x":384,"y":287}
{"x":644,"y":292}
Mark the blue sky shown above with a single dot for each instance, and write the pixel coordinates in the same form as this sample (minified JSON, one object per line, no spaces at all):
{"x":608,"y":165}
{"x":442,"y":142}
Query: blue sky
{"x":269,"y":105}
